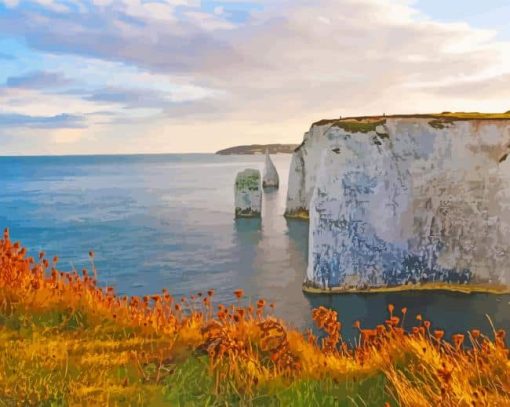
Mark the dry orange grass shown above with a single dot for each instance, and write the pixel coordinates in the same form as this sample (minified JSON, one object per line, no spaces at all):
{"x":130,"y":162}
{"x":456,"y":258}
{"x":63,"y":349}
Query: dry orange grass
{"x":104,"y":349}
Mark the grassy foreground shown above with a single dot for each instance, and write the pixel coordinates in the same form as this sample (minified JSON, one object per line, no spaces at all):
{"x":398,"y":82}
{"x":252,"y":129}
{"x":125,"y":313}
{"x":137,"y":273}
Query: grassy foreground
{"x":65,"y":341}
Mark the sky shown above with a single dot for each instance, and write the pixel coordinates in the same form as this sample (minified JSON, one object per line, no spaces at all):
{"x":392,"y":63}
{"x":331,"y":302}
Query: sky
{"x":179,"y":76}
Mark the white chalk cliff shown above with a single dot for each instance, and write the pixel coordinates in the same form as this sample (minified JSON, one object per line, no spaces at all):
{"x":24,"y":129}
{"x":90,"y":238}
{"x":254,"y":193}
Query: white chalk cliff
{"x":248,"y":194}
{"x":270,"y":178}
{"x":402,"y":200}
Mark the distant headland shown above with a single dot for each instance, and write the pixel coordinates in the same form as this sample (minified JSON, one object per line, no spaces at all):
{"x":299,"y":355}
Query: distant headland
{"x":259,"y":149}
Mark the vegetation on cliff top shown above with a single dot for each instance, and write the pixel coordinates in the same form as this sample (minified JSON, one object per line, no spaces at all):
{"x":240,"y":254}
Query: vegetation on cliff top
{"x":452,"y":116}
{"x":66,"y":341}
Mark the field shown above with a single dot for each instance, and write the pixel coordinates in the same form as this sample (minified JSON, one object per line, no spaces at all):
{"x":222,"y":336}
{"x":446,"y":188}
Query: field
{"x":66,"y":341}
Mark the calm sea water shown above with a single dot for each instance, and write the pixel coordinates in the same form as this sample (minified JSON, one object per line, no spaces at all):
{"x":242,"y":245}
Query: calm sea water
{"x":159,"y":221}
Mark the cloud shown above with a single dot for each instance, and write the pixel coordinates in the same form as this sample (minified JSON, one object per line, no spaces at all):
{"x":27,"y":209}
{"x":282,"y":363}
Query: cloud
{"x":38,"y":80}
{"x":485,"y":87}
{"x":284,"y":63}
{"x":61,"y":121}
{"x":126,"y":31}
{"x":130,"y":98}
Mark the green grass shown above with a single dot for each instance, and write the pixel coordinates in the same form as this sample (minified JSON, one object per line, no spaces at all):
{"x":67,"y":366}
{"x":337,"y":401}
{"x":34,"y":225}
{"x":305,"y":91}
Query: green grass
{"x":176,"y":382}
{"x":364,"y":122}
{"x":192,"y":385}
{"x":355,"y":126}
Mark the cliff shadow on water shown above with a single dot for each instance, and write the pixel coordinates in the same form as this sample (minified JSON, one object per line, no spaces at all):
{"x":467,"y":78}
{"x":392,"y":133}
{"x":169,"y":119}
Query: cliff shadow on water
{"x":450,"y":311}
{"x":297,"y":231}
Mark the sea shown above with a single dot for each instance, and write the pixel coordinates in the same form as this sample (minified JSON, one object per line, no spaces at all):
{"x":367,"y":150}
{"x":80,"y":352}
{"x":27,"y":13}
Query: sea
{"x":167,"y":221}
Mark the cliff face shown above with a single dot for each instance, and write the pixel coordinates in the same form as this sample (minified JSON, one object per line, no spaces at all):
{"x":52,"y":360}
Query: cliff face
{"x":405,"y":200}
{"x":303,"y":169}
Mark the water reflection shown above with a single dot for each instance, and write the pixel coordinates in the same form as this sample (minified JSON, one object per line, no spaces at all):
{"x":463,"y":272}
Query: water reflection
{"x":298,"y":234}
{"x":247,"y":235}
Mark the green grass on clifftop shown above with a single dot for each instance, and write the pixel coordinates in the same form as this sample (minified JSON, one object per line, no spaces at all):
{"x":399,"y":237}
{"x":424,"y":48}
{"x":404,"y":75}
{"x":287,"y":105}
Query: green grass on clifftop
{"x":362,"y":123}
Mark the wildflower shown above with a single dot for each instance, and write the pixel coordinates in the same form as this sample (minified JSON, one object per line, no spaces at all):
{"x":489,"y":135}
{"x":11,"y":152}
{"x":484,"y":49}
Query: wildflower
{"x":391,"y":307}
{"x":438,"y":334}
{"x":475,"y":333}
{"x":458,"y":339}
{"x":239,"y":293}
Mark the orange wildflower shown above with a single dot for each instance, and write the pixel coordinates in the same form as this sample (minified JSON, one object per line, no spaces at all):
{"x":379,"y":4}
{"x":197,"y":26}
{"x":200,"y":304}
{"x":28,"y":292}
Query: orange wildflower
{"x":438,"y":334}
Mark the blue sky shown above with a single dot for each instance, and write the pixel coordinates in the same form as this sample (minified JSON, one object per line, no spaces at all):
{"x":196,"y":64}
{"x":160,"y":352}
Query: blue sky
{"x":488,"y":14}
{"x":148,"y":76}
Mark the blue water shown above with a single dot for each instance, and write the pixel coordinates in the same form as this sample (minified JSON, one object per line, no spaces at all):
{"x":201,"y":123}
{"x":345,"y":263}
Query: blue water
{"x":158,"y":221}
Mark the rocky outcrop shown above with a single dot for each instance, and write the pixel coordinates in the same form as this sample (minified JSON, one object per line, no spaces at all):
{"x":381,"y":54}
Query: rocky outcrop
{"x":248,"y":194}
{"x":303,"y":170}
{"x":405,"y":200}
{"x":270,"y":179}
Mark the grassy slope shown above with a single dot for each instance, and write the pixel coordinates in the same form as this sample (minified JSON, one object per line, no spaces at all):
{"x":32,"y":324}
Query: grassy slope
{"x":57,"y":358}
{"x":65,"y":341}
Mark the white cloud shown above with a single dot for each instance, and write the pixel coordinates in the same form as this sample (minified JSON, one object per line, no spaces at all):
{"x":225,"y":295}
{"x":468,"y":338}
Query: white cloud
{"x":290,"y":63}
{"x":10,"y":3}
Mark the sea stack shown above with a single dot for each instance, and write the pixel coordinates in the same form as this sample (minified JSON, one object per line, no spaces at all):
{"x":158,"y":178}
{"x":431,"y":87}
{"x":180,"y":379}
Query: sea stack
{"x":405,"y":200}
{"x":248,"y":194}
{"x":271,"y":179}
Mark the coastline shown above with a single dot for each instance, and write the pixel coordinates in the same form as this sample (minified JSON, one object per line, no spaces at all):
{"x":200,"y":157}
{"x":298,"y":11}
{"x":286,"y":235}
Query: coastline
{"x":300,"y":214}
{"x":458,"y":288}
